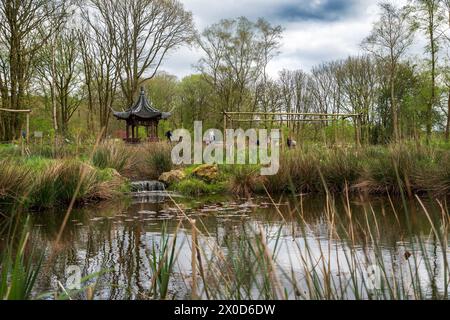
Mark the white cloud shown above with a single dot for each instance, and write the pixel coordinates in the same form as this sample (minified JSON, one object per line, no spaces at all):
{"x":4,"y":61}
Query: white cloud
{"x":306,"y":41}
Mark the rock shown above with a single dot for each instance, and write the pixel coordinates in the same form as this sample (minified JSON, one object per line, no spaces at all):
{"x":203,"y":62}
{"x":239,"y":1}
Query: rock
{"x":207,"y":172}
{"x":172,"y":177}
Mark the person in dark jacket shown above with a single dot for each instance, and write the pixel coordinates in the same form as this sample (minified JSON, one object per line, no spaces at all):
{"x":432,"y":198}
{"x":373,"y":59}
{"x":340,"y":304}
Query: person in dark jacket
{"x":289,"y":142}
{"x":169,"y":135}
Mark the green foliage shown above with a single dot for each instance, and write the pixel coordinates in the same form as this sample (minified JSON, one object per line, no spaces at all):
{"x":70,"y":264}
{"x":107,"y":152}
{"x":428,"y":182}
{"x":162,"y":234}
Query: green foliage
{"x":162,"y":261}
{"x":18,"y":269}
{"x":197,"y":187}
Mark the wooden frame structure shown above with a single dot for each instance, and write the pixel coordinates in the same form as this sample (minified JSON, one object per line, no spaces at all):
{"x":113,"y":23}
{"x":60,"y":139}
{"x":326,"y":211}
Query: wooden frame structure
{"x":313,"y":117}
{"x":25,"y":111}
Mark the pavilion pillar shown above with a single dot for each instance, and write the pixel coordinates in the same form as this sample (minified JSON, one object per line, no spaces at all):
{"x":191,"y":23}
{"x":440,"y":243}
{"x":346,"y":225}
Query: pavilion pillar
{"x":128,"y":131}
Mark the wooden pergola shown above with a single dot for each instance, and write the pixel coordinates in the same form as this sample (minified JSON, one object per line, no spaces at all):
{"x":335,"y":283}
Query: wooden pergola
{"x":27,"y":112}
{"x":230,"y":117}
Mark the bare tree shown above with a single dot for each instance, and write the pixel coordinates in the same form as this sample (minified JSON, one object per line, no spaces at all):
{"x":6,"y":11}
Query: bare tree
{"x":429,"y":19}
{"x":446,"y":13}
{"x":358,"y":79}
{"x":60,"y":68}
{"x":295,"y":95}
{"x":101,"y":63}
{"x":144,"y":32}
{"x":391,"y":37}
{"x":25,"y":26}
{"x":237,"y":52}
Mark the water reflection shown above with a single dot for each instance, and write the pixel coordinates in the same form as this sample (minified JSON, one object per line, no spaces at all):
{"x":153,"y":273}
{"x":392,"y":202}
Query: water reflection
{"x":303,"y":233}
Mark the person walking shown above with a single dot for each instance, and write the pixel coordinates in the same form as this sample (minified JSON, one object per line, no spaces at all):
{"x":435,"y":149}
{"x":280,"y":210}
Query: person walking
{"x":169,"y":136}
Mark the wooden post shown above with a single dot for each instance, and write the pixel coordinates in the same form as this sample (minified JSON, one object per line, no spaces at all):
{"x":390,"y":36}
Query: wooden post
{"x":224,"y":123}
{"x":28,"y":128}
{"x":358,"y":131}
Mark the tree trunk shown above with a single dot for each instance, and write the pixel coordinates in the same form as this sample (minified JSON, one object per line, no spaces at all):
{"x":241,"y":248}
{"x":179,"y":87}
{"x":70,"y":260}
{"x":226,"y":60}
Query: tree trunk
{"x":53,"y":93}
{"x":447,"y":129}
{"x":433,"y":82}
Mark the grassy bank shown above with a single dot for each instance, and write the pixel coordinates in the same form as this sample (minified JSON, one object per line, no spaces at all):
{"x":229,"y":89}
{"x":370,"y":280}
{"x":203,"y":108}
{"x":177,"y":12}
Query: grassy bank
{"x":43,"y":183}
{"x":46,"y":178}
{"x":375,"y":170}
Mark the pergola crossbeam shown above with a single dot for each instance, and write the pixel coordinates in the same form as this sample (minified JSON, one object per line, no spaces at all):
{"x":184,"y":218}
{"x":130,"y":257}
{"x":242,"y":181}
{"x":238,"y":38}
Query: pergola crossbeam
{"x":24,"y":111}
{"x":292,"y":117}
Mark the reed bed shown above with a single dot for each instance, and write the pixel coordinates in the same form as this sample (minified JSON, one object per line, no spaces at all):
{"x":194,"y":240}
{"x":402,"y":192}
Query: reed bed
{"x":371,"y":170}
{"x":150,"y":160}
{"x":277,"y":264}
{"x":40,"y":183}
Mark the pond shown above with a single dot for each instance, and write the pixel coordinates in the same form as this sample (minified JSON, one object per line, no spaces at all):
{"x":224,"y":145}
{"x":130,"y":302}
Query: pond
{"x":304,"y":247}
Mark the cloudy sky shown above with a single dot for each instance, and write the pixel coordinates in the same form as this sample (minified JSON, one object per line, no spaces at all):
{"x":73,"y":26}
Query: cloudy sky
{"x":315,"y":31}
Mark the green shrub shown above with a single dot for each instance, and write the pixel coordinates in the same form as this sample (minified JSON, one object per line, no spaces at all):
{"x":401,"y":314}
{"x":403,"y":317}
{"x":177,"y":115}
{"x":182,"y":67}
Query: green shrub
{"x":197,"y":187}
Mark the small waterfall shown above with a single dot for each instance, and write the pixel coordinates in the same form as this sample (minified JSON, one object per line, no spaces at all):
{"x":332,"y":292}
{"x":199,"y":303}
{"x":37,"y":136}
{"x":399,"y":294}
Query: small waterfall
{"x":147,"y":186}
{"x":148,"y":192}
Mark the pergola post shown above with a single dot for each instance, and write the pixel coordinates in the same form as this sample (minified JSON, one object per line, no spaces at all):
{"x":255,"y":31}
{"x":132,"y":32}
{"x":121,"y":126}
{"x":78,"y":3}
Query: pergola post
{"x":28,"y":128}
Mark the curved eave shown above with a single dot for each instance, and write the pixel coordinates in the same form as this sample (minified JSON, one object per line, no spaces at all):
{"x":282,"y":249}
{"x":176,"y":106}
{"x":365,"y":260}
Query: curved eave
{"x":145,"y":116}
{"x":121,"y":115}
{"x":166,"y":115}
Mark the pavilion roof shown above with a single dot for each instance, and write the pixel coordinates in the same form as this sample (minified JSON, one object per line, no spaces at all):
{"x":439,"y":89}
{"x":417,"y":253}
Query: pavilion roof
{"x":142,"y":109}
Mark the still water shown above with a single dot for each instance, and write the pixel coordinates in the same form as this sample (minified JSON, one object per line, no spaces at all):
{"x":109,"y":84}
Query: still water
{"x":318,"y":247}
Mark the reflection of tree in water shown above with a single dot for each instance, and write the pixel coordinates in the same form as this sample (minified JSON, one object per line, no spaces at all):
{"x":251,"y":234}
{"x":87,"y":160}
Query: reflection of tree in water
{"x":118,"y":239}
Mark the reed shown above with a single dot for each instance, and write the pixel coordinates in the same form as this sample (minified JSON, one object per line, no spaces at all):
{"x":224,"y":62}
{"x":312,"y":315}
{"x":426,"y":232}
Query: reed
{"x":255,"y":262}
{"x":19,"y":267}
{"x":245,"y":180}
{"x":40,"y":183}
{"x":162,"y":262}
{"x":113,"y":155}
{"x":150,"y":160}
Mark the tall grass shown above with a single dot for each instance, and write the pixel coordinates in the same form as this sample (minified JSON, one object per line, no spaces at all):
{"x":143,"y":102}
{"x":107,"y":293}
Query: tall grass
{"x":115,"y":156}
{"x":149,"y":160}
{"x":18,"y":268}
{"x":372,"y":170}
{"x":256,"y":263}
{"x":245,"y":180}
{"x":14,"y":180}
{"x":162,"y":263}
{"x":47,"y":183}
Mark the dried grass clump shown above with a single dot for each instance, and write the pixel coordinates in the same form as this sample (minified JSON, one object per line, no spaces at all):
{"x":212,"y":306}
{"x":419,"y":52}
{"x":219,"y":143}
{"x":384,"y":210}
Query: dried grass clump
{"x":114,"y":155}
{"x":151,"y":160}
{"x":245,"y":180}
{"x":62,"y":179}
{"x":14,"y":180}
